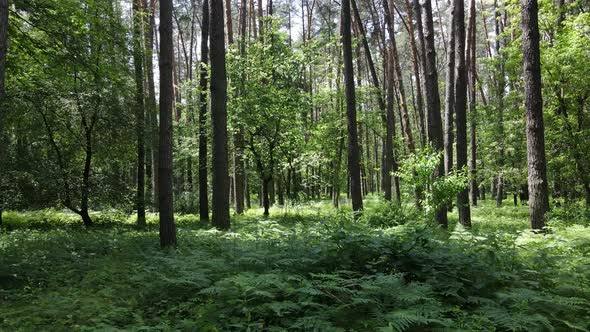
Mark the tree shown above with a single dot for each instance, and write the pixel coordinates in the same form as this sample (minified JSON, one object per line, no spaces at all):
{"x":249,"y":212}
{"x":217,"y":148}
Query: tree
{"x":535,"y":131}
{"x":220,"y":185}
{"x":405,"y":119}
{"x":268,"y":105}
{"x":138,"y":59}
{"x":3,"y":48}
{"x":239,"y":171}
{"x":203,"y":183}
{"x":435,"y":133}
{"x":353,"y":148}
{"x":151,"y":105}
{"x":450,"y":96}
{"x":472,"y":70}
{"x":165,"y":196}
{"x":461,"y":108}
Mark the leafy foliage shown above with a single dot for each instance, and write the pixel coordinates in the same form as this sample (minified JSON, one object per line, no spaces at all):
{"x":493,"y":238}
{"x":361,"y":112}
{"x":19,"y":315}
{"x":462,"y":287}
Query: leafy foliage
{"x":310,"y":271}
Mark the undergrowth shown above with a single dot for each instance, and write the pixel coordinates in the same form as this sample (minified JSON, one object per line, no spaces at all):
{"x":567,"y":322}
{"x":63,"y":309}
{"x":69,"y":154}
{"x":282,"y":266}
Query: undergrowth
{"x":307,"y":269}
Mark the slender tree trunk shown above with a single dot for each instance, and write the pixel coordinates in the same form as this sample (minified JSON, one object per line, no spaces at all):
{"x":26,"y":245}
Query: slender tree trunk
{"x":85,"y":194}
{"x":151,"y":105}
{"x":472,"y":100}
{"x":203,"y":190}
{"x":416,"y":68}
{"x":461,"y":109}
{"x":336,"y":185}
{"x":247,"y":190}
{"x":450,"y":97}
{"x":500,"y":86}
{"x":3,"y":50}
{"x":265,"y":195}
{"x":435,"y":133}
{"x":280,"y":191}
{"x":220,"y":201}
{"x":405,"y":118}
{"x":389,"y":133}
{"x":367,"y":50}
{"x":499,"y":190}
{"x":535,"y":132}
{"x":229,"y":22}
{"x":139,"y":110}
{"x":353,"y":148}
{"x":260,"y":19}
{"x":239,"y":135}
{"x":167,"y":226}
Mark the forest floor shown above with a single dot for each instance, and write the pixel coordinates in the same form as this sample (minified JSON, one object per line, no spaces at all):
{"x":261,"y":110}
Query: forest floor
{"x":306,"y":268}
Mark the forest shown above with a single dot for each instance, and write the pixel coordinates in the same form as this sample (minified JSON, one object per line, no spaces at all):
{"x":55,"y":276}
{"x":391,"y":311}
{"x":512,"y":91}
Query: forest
{"x":294,"y":165}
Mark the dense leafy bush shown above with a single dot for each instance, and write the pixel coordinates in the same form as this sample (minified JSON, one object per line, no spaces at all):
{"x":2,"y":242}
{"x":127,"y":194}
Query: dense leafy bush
{"x":571,"y":213}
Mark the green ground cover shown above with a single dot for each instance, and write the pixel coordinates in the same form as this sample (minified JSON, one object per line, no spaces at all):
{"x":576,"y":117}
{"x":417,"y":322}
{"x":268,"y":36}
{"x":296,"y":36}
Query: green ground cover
{"x":306,"y":268}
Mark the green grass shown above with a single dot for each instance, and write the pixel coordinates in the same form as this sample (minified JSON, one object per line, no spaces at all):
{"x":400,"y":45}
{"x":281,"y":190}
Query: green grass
{"x":306,"y":268}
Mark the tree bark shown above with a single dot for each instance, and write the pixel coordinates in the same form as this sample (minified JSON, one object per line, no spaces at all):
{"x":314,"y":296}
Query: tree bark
{"x":472,"y":100}
{"x":85,"y":194}
{"x":203,"y":185}
{"x":416,"y":68}
{"x":407,"y":129}
{"x":220,"y":201}
{"x":229,"y":22}
{"x":260,"y":19}
{"x":3,"y":50}
{"x":353,"y":148}
{"x":450,"y":97}
{"x":499,"y":190}
{"x":151,"y":104}
{"x":167,"y":226}
{"x":435,"y":134}
{"x":239,"y":135}
{"x":461,"y":109}
{"x":265,"y":195}
{"x":500,"y":86}
{"x":138,"y":58}
{"x":367,"y":50}
{"x":390,"y":162}
{"x":535,"y":131}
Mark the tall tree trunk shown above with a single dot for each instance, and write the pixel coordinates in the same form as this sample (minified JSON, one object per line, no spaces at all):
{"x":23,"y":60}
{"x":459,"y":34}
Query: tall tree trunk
{"x":370,"y":62}
{"x":390,"y":162}
{"x":239,"y":135}
{"x":472,"y":100}
{"x":3,"y":49}
{"x":280,"y":191}
{"x":220,"y":201}
{"x":405,"y":118}
{"x":338,"y":162}
{"x":535,"y":131}
{"x":229,"y":22}
{"x":353,"y":148}
{"x":500,"y":86}
{"x":247,"y":190}
{"x":151,"y":105}
{"x":435,"y":134}
{"x":461,"y":109}
{"x":85,"y":194}
{"x":416,"y":68}
{"x":450,"y":97}
{"x":203,"y":190}
{"x":260,"y":19}
{"x":266,"y":181}
{"x":167,"y":226}
{"x":139,"y":110}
